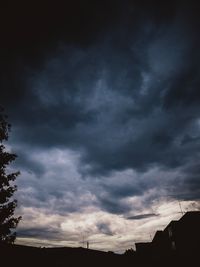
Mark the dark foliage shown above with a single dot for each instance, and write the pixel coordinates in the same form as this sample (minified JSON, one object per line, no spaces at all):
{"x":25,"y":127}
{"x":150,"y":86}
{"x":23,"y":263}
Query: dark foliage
{"x":129,"y":252}
{"x":7,"y":205}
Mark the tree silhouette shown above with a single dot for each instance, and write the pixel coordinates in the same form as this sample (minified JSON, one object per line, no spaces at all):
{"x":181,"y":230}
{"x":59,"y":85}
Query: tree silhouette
{"x":129,"y":252}
{"x":7,"y":205}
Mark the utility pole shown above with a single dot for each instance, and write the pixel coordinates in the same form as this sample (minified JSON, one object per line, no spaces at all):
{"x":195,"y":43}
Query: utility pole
{"x":150,"y":237}
{"x":180,"y":207}
{"x":83,"y":241}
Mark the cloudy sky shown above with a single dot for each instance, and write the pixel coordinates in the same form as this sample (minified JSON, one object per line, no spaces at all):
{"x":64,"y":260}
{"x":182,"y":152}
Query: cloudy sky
{"x":104,"y":102}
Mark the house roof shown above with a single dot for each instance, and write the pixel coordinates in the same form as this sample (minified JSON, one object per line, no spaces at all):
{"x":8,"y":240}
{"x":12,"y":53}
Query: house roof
{"x":142,"y":244}
{"x":190,"y":215}
{"x":158,"y":235}
{"x":171,"y":224}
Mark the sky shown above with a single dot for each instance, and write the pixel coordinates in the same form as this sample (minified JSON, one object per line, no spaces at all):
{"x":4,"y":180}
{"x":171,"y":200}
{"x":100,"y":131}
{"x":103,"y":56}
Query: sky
{"x":103,"y":98}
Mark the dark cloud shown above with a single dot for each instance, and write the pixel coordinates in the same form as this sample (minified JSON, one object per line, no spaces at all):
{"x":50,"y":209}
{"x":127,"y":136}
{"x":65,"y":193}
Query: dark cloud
{"x":117,"y":83}
{"x":49,"y":234}
{"x":142,"y":216}
{"x":112,"y":204}
{"x":104,"y":228}
{"x":24,"y":162}
{"x":188,"y":183}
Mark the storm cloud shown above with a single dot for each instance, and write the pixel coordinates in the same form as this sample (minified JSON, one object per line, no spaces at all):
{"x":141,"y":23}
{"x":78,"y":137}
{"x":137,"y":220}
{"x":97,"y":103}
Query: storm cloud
{"x":103,"y":99}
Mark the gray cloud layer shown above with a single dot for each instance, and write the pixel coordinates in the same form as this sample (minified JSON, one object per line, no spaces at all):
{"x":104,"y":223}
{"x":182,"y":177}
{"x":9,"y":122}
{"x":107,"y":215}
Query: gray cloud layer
{"x":123,"y":96}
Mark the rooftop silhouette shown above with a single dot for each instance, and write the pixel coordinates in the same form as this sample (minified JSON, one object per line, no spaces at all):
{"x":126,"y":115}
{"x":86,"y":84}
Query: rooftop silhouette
{"x":178,"y":242}
{"x":176,"y":245}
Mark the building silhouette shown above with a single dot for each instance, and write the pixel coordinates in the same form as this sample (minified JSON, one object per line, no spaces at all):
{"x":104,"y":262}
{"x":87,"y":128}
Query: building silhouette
{"x":180,"y":239}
